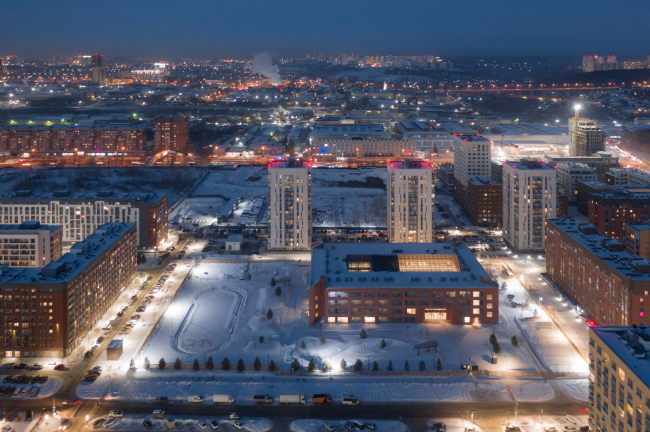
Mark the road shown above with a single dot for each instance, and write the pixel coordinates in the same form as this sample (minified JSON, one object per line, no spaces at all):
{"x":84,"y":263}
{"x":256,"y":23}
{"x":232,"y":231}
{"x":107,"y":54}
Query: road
{"x":490,"y":418}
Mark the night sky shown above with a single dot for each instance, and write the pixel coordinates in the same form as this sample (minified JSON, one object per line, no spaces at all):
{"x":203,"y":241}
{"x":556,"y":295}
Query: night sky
{"x":170,"y":29}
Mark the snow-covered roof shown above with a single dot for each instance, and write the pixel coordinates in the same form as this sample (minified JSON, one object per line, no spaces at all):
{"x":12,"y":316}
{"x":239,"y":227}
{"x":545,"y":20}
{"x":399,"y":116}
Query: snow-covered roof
{"x":456,"y":266}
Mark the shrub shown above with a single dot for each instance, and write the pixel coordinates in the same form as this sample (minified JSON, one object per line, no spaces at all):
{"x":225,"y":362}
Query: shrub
{"x":493,"y":338}
{"x":322,"y":339}
{"x":362,"y":333}
{"x":273,"y":282}
{"x":261,"y":339}
{"x":514,"y":341}
{"x":439,"y":364}
{"x":496,"y":347}
{"x":278,"y":291}
{"x":383,"y":343}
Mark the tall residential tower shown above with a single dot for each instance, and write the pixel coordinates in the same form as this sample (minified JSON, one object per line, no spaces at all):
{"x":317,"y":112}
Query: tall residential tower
{"x":529,"y":200}
{"x":289,"y":205}
{"x":410,"y":202}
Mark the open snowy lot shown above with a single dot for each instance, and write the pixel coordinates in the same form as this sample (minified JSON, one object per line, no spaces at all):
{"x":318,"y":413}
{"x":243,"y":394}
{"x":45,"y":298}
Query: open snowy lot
{"x":134,"y":423}
{"x":317,"y":425}
{"x":341,"y":197}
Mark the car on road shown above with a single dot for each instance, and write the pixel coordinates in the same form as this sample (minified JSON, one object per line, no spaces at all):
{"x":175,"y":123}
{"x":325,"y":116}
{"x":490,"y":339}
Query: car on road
{"x":234,"y":416}
{"x":147,"y":424}
{"x":214,"y":425}
{"x":91,"y":378}
{"x":116,"y":414}
{"x":100,"y":339}
{"x":141,"y":309}
{"x":97,"y":423}
{"x":238,"y":425}
{"x":59,"y":367}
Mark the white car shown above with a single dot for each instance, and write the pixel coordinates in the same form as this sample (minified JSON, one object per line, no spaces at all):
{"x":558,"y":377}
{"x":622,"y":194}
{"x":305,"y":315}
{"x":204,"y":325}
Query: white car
{"x":202,"y":425}
{"x":328,"y":427}
{"x":233,"y":416}
{"x":109,"y":422}
{"x":116,"y":414}
{"x":214,"y":425}
{"x":238,"y":425}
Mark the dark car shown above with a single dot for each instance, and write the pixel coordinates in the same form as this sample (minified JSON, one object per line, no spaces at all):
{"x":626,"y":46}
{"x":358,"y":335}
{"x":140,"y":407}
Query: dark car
{"x":20,"y":366}
{"x":161,"y":399}
{"x":147,"y":424}
{"x":100,"y":339}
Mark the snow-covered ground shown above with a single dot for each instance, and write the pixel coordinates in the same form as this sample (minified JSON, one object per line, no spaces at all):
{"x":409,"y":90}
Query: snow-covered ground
{"x":50,"y":387}
{"x":317,"y":425}
{"x":134,"y":423}
{"x":333,"y":204}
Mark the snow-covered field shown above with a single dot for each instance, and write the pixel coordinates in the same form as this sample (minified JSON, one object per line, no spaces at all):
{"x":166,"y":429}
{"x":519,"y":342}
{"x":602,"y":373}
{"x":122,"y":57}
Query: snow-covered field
{"x":201,"y":210}
{"x":333,"y":205}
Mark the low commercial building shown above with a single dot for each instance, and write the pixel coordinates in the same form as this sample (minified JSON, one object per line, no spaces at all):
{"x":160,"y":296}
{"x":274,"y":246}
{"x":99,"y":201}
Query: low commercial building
{"x":619,"y":383}
{"x":30,"y":244}
{"x":115,"y":349}
{"x":363,"y":148}
{"x":82,"y":213}
{"x":611,"y":284}
{"x":48,"y":310}
{"x":400,"y":283}
{"x":233,"y":242}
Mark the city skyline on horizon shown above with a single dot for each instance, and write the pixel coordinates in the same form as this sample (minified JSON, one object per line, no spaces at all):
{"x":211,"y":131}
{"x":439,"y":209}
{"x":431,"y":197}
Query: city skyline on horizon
{"x":207,"y":30}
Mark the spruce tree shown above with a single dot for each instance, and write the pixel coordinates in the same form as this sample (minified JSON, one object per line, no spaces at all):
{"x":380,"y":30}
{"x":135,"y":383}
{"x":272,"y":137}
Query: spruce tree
{"x":375,"y":366}
{"x":240,"y":365}
{"x":162,"y":363}
{"x":422,"y":366}
{"x":261,"y":339}
{"x":257,"y":364}
{"x":195,"y":365}
{"x":272,"y":366}
{"x":326,"y":366}
{"x":383,"y":343}
{"x":295,"y":365}
{"x":407,"y":367}
{"x":303,"y":345}
{"x":390,"y":365}
{"x":358,"y":365}
{"x":344,"y":365}
{"x":225,"y":364}
{"x":209,"y":365}
{"x":312,"y":366}
{"x":362,"y":333}
{"x":439,"y":364}
{"x":514,"y":341}
{"x":269,"y":314}
{"x":177,"y":364}
{"x":147,"y":363}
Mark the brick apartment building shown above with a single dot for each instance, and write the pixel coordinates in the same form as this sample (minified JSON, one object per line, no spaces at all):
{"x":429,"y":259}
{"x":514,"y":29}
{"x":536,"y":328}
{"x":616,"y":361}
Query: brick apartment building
{"x":610,"y":283}
{"x":171,"y":134}
{"x":59,"y":139}
{"x":586,"y":188}
{"x":481,"y":201}
{"x":611,"y":212}
{"x":400,"y":283}
{"x":48,"y":310}
{"x":82,"y":213}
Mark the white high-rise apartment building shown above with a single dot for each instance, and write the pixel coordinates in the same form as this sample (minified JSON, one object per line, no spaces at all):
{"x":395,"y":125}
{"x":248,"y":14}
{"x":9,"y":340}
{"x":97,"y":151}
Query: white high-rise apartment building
{"x":529,"y":200}
{"x":410,"y":202}
{"x":289,"y":205}
{"x":568,"y":174}
{"x":472,"y":158}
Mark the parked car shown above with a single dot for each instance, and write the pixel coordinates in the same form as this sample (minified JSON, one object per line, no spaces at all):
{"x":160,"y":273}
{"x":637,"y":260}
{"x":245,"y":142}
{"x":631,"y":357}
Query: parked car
{"x":238,"y":425}
{"x":116,"y":414}
{"x":109,"y":422}
{"x":97,"y":423}
{"x":233,"y":416}
{"x":328,"y":427}
{"x":160,"y":399}
{"x":147,"y":424}
{"x":20,"y":366}
{"x":100,"y":339}
{"x":7,"y":366}
{"x":349,"y":426}
{"x":358,"y":425}
{"x":214,"y":425}
{"x":90,"y":378}
{"x":34,"y":391}
{"x":371,"y":426}
{"x":36,"y":366}
{"x":202,"y":425}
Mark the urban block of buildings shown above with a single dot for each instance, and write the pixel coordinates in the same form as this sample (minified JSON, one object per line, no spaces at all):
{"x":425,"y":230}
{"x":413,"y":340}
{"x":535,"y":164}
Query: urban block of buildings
{"x":400,"y":283}
{"x":410,"y":201}
{"x":290,"y":205}
{"x":80,"y":214}
{"x":568,"y":174}
{"x":65,"y":140}
{"x":30,"y":244}
{"x":48,"y":310}
{"x":611,"y":212}
{"x":610,"y":283}
{"x":529,"y":200}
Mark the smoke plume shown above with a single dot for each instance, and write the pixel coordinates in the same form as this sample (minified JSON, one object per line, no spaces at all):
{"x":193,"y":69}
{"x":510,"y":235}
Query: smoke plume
{"x":263,"y":64}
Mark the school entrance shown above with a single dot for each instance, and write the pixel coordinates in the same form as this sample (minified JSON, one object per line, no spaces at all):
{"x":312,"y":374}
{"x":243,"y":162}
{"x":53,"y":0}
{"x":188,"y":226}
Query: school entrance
{"x":435,"y":315}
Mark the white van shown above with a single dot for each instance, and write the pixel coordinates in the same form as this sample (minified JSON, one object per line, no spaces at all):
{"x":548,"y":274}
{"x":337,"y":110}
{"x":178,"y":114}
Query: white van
{"x":195,"y":399}
{"x":349,"y":400}
{"x":158,"y":414}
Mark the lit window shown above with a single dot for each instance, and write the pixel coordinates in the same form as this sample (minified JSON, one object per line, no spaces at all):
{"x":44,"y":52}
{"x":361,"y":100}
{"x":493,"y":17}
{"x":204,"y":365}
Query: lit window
{"x":369,"y":319}
{"x":477,"y":302}
{"x":466,"y":320}
{"x":331,"y":319}
{"x":476,"y":293}
{"x":476,"y":311}
{"x":489,"y":305}
{"x":410,"y":311}
{"x":489,"y":314}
